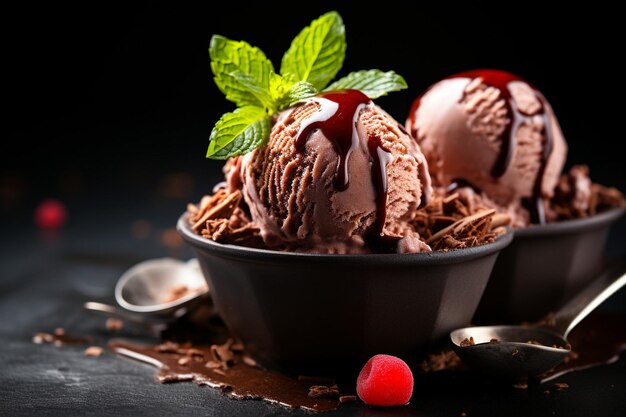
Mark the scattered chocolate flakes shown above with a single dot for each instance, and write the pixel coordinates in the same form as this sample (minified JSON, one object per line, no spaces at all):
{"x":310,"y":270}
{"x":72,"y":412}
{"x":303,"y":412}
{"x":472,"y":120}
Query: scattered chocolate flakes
{"x":494,"y":340}
{"x":575,"y":197}
{"x":184,"y":360}
{"x":219,"y":371}
{"x":213,"y":365}
{"x":515,"y":352}
{"x":93,"y":351}
{"x":347,"y":399}
{"x":113,"y":325}
{"x":221,"y":218}
{"x":521,"y":385}
{"x":324,"y":391}
{"x":41,"y":337}
{"x":561,"y":386}
{"x":249,"y":361}
{"x":60,"y":338}
{"x":467,"y":342}
{"x":446,"y":360}
{"x":223,"y":354}
{"x":175,"y":293}
{"x":458,"y":220}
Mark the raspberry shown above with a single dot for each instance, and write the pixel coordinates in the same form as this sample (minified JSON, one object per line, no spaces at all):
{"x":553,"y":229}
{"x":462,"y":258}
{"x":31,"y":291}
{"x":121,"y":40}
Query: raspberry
{"x":50,"y":215}
{"x":385,"y":380}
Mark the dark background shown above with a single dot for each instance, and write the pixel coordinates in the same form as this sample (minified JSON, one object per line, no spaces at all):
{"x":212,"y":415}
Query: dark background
{"x":108,"y":101}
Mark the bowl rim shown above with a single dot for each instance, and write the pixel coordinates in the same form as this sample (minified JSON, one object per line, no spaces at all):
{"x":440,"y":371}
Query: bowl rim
{"x":271,"y":256}
{"x":572,"y":226}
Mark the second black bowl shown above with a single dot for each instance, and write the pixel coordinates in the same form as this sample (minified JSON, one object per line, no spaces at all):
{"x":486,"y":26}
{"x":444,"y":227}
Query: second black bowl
{"x":544,"y":267}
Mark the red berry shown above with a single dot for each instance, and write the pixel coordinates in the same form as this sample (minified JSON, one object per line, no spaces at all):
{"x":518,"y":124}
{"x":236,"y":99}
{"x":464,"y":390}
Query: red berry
{"x":385,"y":380}
{"x":50,"y":215}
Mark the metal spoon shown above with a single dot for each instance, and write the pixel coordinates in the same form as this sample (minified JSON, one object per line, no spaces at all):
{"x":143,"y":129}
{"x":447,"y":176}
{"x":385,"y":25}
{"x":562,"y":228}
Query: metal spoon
{"x":147,"y":291}
{"x":516,"y":351}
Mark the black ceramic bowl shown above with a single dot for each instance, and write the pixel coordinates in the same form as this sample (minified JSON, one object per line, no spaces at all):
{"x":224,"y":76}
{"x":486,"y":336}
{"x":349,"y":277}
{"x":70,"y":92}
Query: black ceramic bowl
{"x":310,"y":313}
{"x":544,"y":267}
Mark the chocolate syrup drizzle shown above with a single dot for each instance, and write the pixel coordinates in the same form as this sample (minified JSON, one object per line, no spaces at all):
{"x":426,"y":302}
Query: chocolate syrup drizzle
{"x":501,"y":81}
{"x":337,"y":119}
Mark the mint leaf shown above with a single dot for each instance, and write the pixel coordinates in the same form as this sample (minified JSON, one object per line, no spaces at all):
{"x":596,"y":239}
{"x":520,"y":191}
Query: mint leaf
{"x":230,"y":57}
{"x":239,"y":132}
{"x":285,"y":92}
{"x":299,"y":91}
{"x":317,"y":53}
{"x":279,"y":87}
{"x":263,"y":95}
{"x":373,"y":83}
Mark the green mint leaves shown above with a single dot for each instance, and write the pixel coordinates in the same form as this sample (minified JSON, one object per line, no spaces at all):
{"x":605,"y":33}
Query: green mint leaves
{"x":239,"y":132}
{"x":241,"y":71}
{"x":247,"y":78}
{"x":317,"y":53}
{"x":373,"y":83}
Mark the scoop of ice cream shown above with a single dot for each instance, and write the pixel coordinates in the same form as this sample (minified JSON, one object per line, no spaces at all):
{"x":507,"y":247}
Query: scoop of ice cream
{"x":338,"y":175}
{"x":495,"y":132}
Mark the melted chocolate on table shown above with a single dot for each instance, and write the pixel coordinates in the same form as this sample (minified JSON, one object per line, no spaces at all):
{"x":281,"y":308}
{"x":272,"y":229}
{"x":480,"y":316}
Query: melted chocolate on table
{"x":194,"y":337}
{"x":337,"y":119}
{"x":501,"y":80}
{"x":240,"y":380}
{"x":597,"y":340}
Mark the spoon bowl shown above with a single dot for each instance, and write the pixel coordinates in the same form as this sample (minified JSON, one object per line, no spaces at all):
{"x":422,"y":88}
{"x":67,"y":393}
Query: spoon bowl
{"x":510,"y":351}
{"x":161,"y":287}
{"x":521,"y":351}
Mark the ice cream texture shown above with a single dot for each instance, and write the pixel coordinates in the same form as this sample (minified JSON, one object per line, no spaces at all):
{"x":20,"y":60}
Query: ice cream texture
{"x":339,"y":175}
{"x":495,"y":132}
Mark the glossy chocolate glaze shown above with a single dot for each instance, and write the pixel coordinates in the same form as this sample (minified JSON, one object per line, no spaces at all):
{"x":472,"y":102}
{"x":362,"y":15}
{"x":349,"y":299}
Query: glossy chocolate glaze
{"x":337,"y":119}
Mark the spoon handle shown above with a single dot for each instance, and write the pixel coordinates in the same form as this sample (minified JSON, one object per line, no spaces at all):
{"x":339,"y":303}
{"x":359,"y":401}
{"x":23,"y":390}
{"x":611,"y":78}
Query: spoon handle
{"x":608,"y":283}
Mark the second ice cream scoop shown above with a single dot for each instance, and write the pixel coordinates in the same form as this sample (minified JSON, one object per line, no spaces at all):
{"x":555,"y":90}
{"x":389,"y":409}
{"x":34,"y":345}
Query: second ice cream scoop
{"x":494,"y":131}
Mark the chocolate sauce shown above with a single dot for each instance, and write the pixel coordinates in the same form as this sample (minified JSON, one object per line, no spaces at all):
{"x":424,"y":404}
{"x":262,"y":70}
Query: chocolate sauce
{"x":337,"y":119}
{"x":241,"y":380}
{"x":380,"y":159}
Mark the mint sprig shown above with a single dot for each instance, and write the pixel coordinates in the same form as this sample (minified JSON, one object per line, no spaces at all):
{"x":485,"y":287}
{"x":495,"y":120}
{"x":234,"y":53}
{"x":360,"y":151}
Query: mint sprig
{"x":373,"y":83}
{"x":247,"y":78}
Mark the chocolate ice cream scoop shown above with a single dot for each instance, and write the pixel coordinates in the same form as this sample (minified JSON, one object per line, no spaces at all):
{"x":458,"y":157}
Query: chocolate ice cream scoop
{"x":494,"y":131}
{"x":338,"y":175}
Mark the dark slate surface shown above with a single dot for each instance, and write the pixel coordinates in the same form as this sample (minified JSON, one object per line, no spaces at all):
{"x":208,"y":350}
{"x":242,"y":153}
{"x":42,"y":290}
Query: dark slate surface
{"x":45,"y":279}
